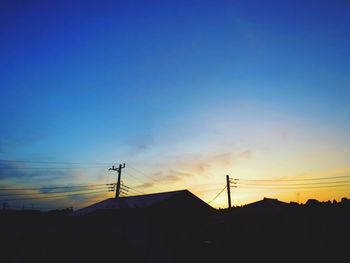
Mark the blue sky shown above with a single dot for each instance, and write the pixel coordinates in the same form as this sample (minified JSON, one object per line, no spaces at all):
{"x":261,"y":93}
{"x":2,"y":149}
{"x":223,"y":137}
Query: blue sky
{"x":247,"y":87}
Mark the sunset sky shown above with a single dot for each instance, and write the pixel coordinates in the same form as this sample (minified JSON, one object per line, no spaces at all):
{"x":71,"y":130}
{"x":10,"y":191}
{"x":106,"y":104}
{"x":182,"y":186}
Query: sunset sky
{"x":183,"y":92}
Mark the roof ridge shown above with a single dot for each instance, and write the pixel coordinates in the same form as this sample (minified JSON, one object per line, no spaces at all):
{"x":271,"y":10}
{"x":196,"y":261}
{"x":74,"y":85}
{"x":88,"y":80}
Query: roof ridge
{"x":183,"y":190}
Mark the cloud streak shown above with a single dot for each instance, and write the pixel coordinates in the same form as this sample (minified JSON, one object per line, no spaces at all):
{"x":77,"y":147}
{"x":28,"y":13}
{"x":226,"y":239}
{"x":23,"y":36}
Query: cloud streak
{"x":188,"y":167}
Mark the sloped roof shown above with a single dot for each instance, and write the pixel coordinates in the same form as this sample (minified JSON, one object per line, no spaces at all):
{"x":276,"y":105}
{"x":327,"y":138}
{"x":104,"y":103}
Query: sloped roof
{"x":131,"y":202}
{"x":267,"y":203}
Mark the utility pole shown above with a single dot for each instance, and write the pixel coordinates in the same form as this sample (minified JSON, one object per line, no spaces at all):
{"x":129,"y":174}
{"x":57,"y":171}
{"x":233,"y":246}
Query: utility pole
{"x":119,"y":170}
{"x":228,"y":190}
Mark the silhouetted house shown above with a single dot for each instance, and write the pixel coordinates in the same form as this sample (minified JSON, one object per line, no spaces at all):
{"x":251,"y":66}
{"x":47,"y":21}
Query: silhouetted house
{"x":313,"y":203}
{"x":345,"y":200}
{"x":167,"y":202}
{"x":294,"y":204}
{"x":267,"y":204}
{"x":151,"y":222}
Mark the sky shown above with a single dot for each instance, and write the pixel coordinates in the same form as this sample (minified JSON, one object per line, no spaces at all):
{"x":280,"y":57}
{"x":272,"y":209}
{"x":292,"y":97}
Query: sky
{"x":183,"y":92}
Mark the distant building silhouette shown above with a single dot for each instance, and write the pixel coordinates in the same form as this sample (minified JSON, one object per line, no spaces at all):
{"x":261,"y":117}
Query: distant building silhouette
{"x":267,"y":203}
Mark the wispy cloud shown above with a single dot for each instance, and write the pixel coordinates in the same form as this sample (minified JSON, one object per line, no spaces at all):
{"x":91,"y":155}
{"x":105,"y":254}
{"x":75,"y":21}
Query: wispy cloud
{"x":25,"y":174}
{"x":202,"y":163}
{"x":20,"y":176}
{"x":146,"y":185}
{"x":190,"y":166}
{"x":172,"y":175}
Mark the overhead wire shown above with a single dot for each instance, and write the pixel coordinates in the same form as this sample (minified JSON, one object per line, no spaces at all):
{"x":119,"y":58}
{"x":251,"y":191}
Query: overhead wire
{"x":51,"y":168}
{"x":143,"y":182}
{"x":52,"y":162}
{"x":302,"y":183}
{"x":155,"y":186}
{"x":136,"y":191}
{"x":286,"y":187}
{"x":53,"y":187}
{"x":290,"y":180}
{"x":205,"y":190}
{"x":129,"y":188}
{"x":134,"y":177}
{"x":54,"y":191}
{"x":293,"y":184}
{"x":140,"y":172}
{"x":217,"y":195}
{"x":52,"y":196}
{"x":49,"y":193}
{"x":144,"y":174}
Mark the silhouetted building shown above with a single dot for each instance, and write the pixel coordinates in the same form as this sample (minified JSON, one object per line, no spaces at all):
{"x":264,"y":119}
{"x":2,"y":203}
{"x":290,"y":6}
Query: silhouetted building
{"x":266,"y":204}
{"x":345,"y":200}
{"x":175,"y":201}
{"x":313,"y":203}
{"x":155,"y":224}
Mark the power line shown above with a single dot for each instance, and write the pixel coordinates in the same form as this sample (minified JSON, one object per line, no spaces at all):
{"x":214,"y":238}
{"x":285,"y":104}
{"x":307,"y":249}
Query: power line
{"x":143,"y":182}
{"x":145,"y":175}
{"x":136,"y":191}
{"x":44,"y":162}
{"x":292,"y":184}
{"x":51,"y":168}
{"x":53,"y":196}
{"x":253,"y":191}
{"x":53,"y":187}
{"x":285,"y":187}
{"x":290,"y":180}
{"x":137,"y":170}
{"x":56,"y":192}
{"x":283,"y":184}
{"x":135,"y":177}
{"x":205,"y":190}
{"x":208,"y":184}
{"x":217,"y":195}
{"x":129,"y":188}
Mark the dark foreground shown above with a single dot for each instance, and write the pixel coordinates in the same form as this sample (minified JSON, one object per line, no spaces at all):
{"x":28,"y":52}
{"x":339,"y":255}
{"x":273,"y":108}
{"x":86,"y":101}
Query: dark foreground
{"x":293,"y":233}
